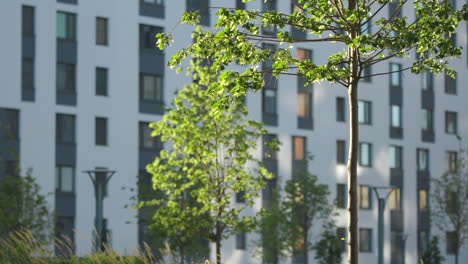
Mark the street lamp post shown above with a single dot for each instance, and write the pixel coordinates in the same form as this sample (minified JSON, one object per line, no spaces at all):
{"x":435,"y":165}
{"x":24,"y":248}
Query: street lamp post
{"x":403,"y":247}
{"x":100,"y":178}
{"x":382,"y":193}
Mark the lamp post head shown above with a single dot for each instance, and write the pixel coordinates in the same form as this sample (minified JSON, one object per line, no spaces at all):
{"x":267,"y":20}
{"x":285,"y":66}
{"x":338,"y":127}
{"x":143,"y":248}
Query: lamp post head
{"x":383,"y":192}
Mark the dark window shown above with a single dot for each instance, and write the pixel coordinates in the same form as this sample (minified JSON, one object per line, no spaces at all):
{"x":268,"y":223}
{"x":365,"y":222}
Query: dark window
{"x":27,"y":72}
{"x":241,"y":241}
{"x":304,"y":105}
{"x":340,"y":109}
{"x":422,"y":199}
{"x":66,"y":26}
{"x":268,"y":153}
{"x":451,"y":160}
{"x":395,"y":154}
{"x":268,"y":6}
{"x":10,"y":124}
{"x":151,"y":87}
{"x":427,"y":119}
{"x":154,"y":2}
{"x":340,"y":152}
{"x":269,"y":100}
{"x":148,"y":36}
{"x":201,"y":6}
{"x":240,"y":4}
{"x":452,"y":246}
{"x":340,"y":195}
{"x":240,"y":197}
{"x":395,"y":76}
{"x":101,"y":31}
{"x":66,"y":77}
{"x":427,"y":80}
{"x":304,"y":54}
{"x":28,"y":20}
{"x":450,"y":122}
{"x":299,"y":148}
{"x":146,"y":140}
{"x":101,"y":131}
{"x":364,"y":197}
{"x":450,"y":84}
{"x":365,"y":240}
{"x":365,"y":74}
{"x":423,"y":241}
{"x":365,"y":154}
{"x":64,"y":179}
{"x":65,"y":128}
{"x":341,"y":234}
{"x":101,"y":81}
{"x":423,"y":159}
{"x":395,"y":115}
{"x":365,"y":112}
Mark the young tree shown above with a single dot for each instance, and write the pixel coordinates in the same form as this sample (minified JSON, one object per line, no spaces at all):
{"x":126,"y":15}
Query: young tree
{"x":210,"y":160}
{"x":327,"y":249}
{"x":342,"y":26}
{"x":432,"y":254}
{"x":24,"y":208}
{"x":449,"y":207}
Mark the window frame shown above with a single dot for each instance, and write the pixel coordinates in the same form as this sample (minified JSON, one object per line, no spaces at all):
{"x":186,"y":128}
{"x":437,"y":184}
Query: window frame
{"x":451,"y":122}
{"x":396,"y":117}
{"x":297,"y":146}
{"x":369,"y":158}
{"x":368,"y":248}
{"x":69,"y":85}
{"x":156,"y":89}
{"x":27,"y":20}
{"x":419,"y":155}
{"x":70,"y":26}
{"x":101,"y":81}
{"x":340,"y":109}
{"x":102,"y":31}
{"x":59,"y":179}
{"x":60,"y":127}
{"x":101,"y":138}
{"x":360,"y":197}
{"x":365,"y":112}
{"x":395,"y":162}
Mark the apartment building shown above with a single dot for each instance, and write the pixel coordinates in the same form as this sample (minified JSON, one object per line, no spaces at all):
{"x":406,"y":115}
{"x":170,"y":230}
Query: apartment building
{"x":81,"y":80}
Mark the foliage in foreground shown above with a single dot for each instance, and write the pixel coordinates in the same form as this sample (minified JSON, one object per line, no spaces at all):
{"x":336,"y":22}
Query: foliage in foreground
{"x":24,"y":207}
{"x":432,"y":255}
{"x":22,"y":247}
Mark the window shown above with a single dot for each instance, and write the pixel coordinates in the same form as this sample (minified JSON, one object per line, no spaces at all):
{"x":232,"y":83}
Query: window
{"x":427,"y":80}
{"x":101,"y":81}
{"x":364,"y":112}
{"x":423,"y":241}
{"x":65,"y":128}
{"x":341,"y":195}
{"x":394,"y":199}
{"x":28,"y":20}
{"x":101,"y":31}
{"x":241,"y":241}
{"x":304,"y":54}
{"x":341,"y":234}
{"x":340,"y":152}
{"x":365,"y":240}
{"x":395,"y":154}
{"x":146,"y":140}
{"x":147,"y":36}
{"x":450,"y":122}
{"x":451,"y":160}
{"x":395,"y":115}
{"x":365,"y":154}
{"x":269,"y":100}
{"x":268,"y":153}
{"x":240,"y":197}
{"x":395,"y":76}
{"x":423,"y":159}
{"x":422,"y":199}
{"x":101,"y":131}
{"x":154,"y":2}
{"x":364,"y":197}
{"x":304,"y":107}
{"x":64,"y":179}
{"x":201,"y":6}
{"x":267,"y":7}
{"x":240,"y":4}
{"x":340,"y":109}
{"x":427,"y":119}
{"x":27,"y":74}
{"x":66,"y":26}
{"x":365,"y":73}
{"x":450,"y":84}
{"x":452,"y":246}
{"x":299,"y":148}
{"x":10,"y":124}
{"x":66,"y":77}
{"x":151,"y":87}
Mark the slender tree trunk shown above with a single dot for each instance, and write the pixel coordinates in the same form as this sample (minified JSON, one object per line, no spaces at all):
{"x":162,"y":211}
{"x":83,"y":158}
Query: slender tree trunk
{"x":218,"y":250}
{"x":182,"y":255}
{"x":306,"y":243}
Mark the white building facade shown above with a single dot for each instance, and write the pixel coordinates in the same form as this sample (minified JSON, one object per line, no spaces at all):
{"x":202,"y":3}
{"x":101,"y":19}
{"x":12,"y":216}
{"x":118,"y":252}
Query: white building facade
{"x":80,"y":80}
